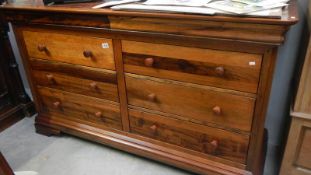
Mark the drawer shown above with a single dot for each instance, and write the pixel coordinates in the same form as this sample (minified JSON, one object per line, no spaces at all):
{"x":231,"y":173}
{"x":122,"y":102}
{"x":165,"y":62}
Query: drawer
{"x":75,"y":49}
{"x":104,"y":90}
{"x":79,"y":107}
{"x":231,"y":70}
{"x":208,"y":140}
{"x":199,"y":104}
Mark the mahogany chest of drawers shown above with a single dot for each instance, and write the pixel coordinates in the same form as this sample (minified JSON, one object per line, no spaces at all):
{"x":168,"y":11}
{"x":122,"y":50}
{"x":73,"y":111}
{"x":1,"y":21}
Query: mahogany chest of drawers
{"x":186,"y":90}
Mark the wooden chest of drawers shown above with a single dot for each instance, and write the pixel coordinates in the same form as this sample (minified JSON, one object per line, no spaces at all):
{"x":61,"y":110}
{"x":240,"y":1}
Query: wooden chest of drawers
{"x":192,"y":95}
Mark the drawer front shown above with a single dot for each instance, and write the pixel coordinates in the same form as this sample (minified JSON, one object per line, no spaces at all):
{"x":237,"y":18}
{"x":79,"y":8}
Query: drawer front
{"x":104,"y":90}
{"x":232,"y":70}
{"x":82,"y":50}
{"x":199,"y":104}
{"x":212,"y":141}
{"x":80,"y":107}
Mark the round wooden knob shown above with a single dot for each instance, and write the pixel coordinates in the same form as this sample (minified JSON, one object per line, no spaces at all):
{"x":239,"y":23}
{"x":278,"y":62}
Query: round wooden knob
{"x":211,"y":147}
{"x":56,"y":104}
{"x":214,"y":143}
{"x":42,"y":48}
{"x":50,"y":77}
{"x":153,"y":128}
{"x":152,"y":97}
{"x":87,"y":54}
{"x":220,"y":71}
{"x":149,"y":62}
{"x":217,"y":110}
{"x":98,"y":114}
{"x":93,"y":85}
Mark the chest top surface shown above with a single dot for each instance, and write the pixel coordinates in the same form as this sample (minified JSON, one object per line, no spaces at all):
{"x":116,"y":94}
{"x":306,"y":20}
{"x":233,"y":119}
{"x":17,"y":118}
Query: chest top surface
{"x":289,"y":14}
{"x":264,"y":30}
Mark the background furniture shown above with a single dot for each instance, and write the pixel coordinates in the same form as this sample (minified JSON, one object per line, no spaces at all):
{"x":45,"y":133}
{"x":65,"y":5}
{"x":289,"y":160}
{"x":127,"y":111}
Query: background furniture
{"x":297,"y":157}
{"x":5,"y":168}
{"x":187,"y":90}
{"x":14,"y":102}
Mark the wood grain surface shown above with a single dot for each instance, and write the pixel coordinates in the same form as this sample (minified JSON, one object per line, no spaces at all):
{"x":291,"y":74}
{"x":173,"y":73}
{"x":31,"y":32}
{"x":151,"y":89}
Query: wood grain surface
{"x":70,"y":49}
{"x":303,"y":98}
{"x":289,"y":17}
{"x":200,"y":83}
{"x":195,"y":103}
{"x":77,"y":85}
{"x":204,"y":139}
{"x":80,"y":107}
{"x":227,"y":30}
{"x":296,"y":158}
{"x":240,"y":70}
{"x":121,"y":85}
{"x":243,"y":76}
{"x":141,"y":146}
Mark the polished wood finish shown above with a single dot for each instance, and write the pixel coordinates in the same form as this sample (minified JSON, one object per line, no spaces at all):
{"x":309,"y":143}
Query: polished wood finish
{"x":89,"y":109}
{"x":200,"y":84}
{"x":98,"y":75}
{"x":229,"y":30}
{"x":121,"y":85}
{"x":297,"y":156}
{"x":208,"y":140}
{"x":192,"y":102}
{"x":234,"y":70}
{"x":140,"y":146}
{"x":61,"y":81}
{"x":74,"y":49}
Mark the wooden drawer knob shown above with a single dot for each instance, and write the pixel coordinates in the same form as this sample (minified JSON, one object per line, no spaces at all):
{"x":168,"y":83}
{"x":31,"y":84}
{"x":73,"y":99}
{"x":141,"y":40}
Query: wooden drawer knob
{"x":220,"y":71}
{"x":211,"y":147}
{"x":214,"y":143}
{"x":50,"y":77}
{"x":217,"y":110}
{"x":214,"y":146}
{"x":56,"y":104}
{"x":153,"y":128}
{"x":42,"y":48}
{"x":152,"y":97}
{"x":87,"y":54}
{"x":149,"y":62}
{"x":98,"y":114}
{"x":93,"y":85}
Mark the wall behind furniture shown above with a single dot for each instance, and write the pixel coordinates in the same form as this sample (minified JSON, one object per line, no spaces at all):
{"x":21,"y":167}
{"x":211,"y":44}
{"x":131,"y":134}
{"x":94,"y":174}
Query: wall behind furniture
{"x":19,"y":62}
{"x":283,"y":88}
{"x":278,"y":110}
{"x":285,"y":67}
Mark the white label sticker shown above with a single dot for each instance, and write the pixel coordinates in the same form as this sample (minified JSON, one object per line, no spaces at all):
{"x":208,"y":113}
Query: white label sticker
{"x":252,"y":63}
{"x":105,"y":45}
